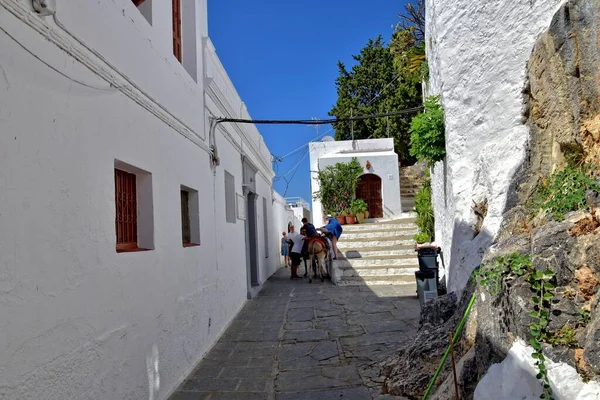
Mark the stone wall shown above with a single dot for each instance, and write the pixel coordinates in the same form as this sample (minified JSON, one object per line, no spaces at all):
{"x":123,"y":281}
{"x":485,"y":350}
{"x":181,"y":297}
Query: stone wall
{"x":562,"y":107}
{"x":477,"y":54}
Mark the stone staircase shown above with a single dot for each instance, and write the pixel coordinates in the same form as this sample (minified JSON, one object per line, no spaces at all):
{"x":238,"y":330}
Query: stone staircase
{"x":377,"y":253}
{"x":409,"y":185}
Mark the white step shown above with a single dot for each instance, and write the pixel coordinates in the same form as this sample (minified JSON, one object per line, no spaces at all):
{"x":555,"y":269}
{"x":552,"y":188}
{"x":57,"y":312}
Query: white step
{"x":379,"y":252}
{"x":376,"y":280}
{"x":368,"y":234}
{"x":377,"y":242}
{"x":380,"y":271}
{"x":393,"y":261}
{"x":375,"y":237}
{"x":378,"y":227}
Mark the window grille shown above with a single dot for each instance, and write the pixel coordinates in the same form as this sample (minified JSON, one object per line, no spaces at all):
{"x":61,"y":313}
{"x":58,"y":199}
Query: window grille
{"x":126,"y":210}
{"x":186,"y":231}
{"x":177,"y":29}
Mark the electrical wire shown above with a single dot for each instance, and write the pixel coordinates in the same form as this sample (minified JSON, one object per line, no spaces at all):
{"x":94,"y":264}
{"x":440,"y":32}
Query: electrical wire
{"x":54,"y":68}
{"x":280,"y":176}
{"x":316,"y":121}
{"x":295,"y":165}
{"x":380,"y":93}
{"x":287,"y":182}
{"x":319,"y":136}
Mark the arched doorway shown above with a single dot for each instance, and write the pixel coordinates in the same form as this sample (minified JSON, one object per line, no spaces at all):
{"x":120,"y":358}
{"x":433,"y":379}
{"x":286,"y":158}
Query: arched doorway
{"x":369,"y":190}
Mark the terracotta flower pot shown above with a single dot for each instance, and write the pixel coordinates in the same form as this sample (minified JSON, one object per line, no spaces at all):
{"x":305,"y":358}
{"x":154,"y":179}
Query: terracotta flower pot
{"x":350,"y":219}
{"x":341,"y":220}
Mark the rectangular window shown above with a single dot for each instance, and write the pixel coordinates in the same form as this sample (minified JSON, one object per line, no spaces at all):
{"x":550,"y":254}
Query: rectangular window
{"x":185,"y":218}
{"x":126,"y":205}
{"x":177,"y":29}
{"x":230,"y":198}
{"x":266,"y":227}
{"x":134,"y":209}
{"x":190,"y":218}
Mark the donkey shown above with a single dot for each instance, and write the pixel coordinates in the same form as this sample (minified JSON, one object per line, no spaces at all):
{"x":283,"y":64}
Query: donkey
{"x":318,"y":250}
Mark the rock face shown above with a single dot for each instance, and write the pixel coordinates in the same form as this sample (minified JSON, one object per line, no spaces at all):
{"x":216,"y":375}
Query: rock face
{"x":563,"y":94}
{"x":409,"y":370}
{"x":562,"y":112}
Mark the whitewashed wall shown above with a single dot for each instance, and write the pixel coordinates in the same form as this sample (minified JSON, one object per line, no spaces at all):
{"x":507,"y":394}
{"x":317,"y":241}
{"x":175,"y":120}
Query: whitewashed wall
{"x":383,"y":164}
{"x":282,"y":216}
{"x":78,"y":319}
{"x":318,"y":151}
{"x":477,"y":53}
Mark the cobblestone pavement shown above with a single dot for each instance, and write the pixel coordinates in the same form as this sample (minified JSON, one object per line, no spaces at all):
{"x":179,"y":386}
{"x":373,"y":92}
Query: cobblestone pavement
{"x":300,"y":341}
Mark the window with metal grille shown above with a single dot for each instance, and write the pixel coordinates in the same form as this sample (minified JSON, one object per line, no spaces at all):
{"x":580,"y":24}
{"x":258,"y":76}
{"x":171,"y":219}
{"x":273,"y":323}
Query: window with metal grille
{"x":185,"y":218}
{"x":177,"y":29}
{"x":126,"y":210}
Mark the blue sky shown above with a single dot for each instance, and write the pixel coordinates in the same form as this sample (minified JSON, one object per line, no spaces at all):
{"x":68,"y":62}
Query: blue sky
{"x":282,"y":58}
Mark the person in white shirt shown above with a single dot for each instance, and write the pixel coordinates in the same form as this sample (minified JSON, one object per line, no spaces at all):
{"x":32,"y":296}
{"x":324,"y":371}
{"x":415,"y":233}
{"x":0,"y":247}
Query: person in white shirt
{"x":296,"y":253}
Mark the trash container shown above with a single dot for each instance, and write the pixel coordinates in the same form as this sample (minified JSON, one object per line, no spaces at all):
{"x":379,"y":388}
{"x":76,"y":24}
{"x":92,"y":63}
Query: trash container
{"x":426,"y":285}
{"x":428,"y":259}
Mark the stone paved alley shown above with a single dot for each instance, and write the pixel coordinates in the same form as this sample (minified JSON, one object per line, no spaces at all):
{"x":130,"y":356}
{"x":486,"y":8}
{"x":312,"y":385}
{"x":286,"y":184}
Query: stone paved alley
{"x":298,"y":341}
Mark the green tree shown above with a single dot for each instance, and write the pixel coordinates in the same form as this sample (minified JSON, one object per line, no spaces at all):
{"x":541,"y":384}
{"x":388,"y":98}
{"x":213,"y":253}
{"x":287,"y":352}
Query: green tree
{"x":379,"y":82}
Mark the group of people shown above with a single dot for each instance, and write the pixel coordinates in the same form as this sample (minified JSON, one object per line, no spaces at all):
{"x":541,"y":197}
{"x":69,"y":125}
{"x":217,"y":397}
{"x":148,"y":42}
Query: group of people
{"x":294,"y":245}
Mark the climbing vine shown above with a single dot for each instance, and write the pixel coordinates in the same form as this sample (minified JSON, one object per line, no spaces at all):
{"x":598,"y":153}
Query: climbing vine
{"x":509,"y":267}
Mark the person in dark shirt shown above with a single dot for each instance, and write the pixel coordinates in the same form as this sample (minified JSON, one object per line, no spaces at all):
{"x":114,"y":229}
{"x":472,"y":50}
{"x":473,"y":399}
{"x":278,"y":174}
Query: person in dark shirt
{"x":310,"y":229}
{"x":333,"y":230}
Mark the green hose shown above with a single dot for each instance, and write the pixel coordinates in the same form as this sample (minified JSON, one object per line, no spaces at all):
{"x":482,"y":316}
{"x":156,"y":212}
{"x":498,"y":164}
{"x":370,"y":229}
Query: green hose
{"x":454,"y":338}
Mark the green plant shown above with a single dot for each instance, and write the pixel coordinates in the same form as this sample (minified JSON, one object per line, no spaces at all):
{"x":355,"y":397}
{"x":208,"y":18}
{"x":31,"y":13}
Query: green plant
{"x":540,"y":283}
{"x":585,"y":316}
{"x":565,"y":336}
{"x":427,"y":133}
{"x":358,"y":206}
{"x":492,"y":275}
{"x":421,"y":237}
{"x":338,"y":186}
{"x":424,"y":208}
{"x":564,"y":191}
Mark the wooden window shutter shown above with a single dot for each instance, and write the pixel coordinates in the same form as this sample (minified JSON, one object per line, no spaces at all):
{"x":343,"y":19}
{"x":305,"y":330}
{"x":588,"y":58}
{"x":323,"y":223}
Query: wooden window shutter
{"x":138,"y":3}
{"x":126,"y":210}
{"x":185,"y":218}
{"x":177,"y":29}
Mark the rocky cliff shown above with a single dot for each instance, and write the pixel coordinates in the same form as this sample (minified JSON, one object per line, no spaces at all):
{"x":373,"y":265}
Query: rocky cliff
{"x":537,"y":289}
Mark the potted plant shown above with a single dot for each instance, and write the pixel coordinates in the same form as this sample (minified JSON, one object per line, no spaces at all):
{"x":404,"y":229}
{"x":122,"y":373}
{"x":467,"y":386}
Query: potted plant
{"x":337,"y":188}
{"x":350,"y":217}
{"x":359,"y":207}
{"x":421,"y":237}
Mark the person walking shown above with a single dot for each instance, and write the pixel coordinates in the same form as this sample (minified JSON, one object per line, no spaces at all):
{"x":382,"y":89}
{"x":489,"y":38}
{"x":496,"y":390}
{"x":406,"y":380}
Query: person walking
{"x":296,"y":253}
{"x":285,"y":247}
{"x":333,"y":230}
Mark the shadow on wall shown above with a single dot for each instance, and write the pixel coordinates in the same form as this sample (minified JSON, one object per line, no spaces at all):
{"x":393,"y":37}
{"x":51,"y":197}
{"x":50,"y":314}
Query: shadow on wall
{"x":467,"y":250}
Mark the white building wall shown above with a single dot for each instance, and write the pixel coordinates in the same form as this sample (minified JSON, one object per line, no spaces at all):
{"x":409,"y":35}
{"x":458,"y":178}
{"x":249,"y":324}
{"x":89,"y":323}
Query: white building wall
{"x":79,"y":319}
{"x":384,"y":164}
{"x":282,"y":216}
{"x":477,"y":53}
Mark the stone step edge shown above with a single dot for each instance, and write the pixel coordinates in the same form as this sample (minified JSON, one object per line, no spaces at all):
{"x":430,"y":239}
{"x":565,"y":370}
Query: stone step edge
{"x":376,"y":238}
{"x":410,"y":267}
